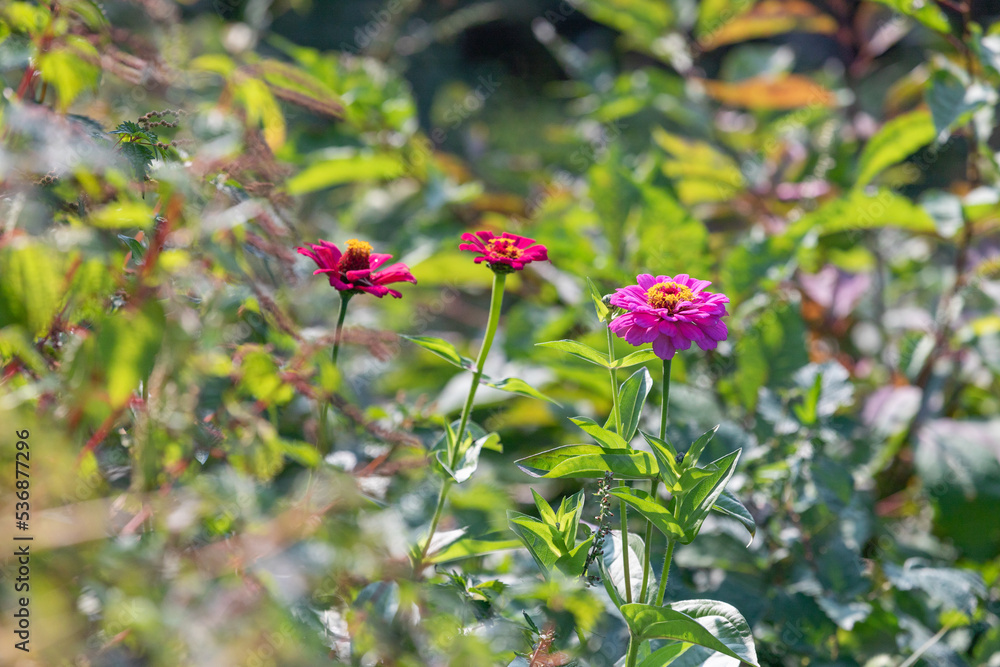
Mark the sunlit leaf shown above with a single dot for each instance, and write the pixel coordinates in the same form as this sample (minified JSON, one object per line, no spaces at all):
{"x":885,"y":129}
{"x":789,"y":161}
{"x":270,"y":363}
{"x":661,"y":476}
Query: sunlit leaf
{"x":791,"y":91}
{"x":443,"y":349}
{"x":578,"y":350}
{"x":769,"y":18}
{"x":650,"y":508}
{"x":589,"y":461}
{"x":709,"y":623}
{"x":898,"y":139}
{"x":631,"y":399}
{"x":729,"y":505}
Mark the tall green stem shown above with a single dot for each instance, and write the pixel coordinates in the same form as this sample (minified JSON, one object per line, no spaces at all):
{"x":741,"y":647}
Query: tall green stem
{"x":623,"y":508}
{"x":345,"y":297}
{"x":671,"y":542}
{"x":664,"y":397}
{"x":496,"y":301}
{"x":633,"y":651}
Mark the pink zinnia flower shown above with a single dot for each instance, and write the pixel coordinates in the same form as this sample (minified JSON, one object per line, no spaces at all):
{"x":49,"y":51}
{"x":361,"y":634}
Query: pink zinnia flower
{"x":670,"y":313}
{"x":354,"y":270}
{"x":505,"y":253}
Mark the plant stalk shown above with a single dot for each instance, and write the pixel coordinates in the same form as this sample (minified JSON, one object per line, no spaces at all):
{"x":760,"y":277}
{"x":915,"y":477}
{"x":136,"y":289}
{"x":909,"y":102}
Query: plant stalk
{"x":496,"y":301}
{"x":345,"y":298}
{"x":623,"y":508}
{"x":664,"y":397}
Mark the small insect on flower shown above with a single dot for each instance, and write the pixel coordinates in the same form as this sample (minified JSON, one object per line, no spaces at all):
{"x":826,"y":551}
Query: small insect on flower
{"x":670,"y":313}
{"x":355,"y":270}
{"x":505,"y":253}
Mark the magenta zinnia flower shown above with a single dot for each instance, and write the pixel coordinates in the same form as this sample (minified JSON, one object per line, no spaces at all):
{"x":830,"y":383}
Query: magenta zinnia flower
{"x":354,"y":270}
{"x":505,"y":253}
{"x":670,"y":313}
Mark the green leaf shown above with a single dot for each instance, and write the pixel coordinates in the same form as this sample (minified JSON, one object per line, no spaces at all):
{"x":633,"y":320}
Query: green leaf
{"x":260,"y":377}
{"x":607,"y":438}
{"x":70,"y":68}
{"x":118,"y":215}
{"x":927,"y":13}
{"x":31,"y":287}
{"x":133,"y":245}
{"x":600,"y":307}
{"x":443,"y":349}
{"x":578,"y":350}
{"x":468,"y":454}
{"x":348,"y":166}
{"x":125,"y":348}
{"x":516,"y":386}
{"x":898,"y":139}
{"x":696,"y":502}
{"x":952,"y":101}
{"x":692,"y":454}
{"x":666,"y":457}
{"x":15,"y":342}
{"x":614,"y":565}
{"x":589,"y":462}
{"x":546,"y":545}
{"x":665,"y":655}
{"x":729,"y":505}
{"x":640,"y":357}
{"x":650,"y":508}
{"x":860,"y":210}
{"x":469,"y":547}
{"x":632,"y":398}
{"x":542,"y":541}
{"x":709,"y":623}
{"x":569,"y":515}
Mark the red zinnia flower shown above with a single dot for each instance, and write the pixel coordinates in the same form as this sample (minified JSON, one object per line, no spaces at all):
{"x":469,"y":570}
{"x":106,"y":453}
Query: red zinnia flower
{"x":670,"y":313}
{"x":354,"y":270}
{"x":505,"y":253}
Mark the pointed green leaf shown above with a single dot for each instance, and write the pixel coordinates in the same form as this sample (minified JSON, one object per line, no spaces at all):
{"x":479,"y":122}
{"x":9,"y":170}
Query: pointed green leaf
{"x":632,"y":398}
{"x":696,"y":503}
{"x":607,"y":438}
{"x":443,"y":349}
{"x":729,"y":505}
{"x":544,"y":509}
{"x":467,"y":547}
{"x":650,"y":508}
{"x":666,"y":655}
{"x":468,"y":456}
{"x":568,"y":517}
{"x":666,"y":456}
{"x":599,"y":306}
{"x":516,"y":386}
{"x":589,"y":462}
{"x":692,"y":454}
{"x":578,"y":350}
{"x":640,"y":357}
{"x":898,"y":139}
{"x":542,"y":541}
{"x":714,"y":625}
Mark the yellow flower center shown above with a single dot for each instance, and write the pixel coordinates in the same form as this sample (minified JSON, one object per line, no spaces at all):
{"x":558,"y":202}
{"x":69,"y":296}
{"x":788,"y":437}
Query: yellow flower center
{"x":504,"y":248}
{"x":356,"y":257}
{"x":668,"y":295}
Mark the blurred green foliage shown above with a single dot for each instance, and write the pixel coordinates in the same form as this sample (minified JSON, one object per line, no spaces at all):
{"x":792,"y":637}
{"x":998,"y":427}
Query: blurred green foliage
{"x":831,"y":166}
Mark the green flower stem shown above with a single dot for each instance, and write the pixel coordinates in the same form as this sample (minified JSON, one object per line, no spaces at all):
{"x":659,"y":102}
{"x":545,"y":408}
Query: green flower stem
{"x":633,"y":651}
{"x":496,"y":301}
{"x":671,"y":542}
{"x":664,"y":397}
{"x":345,"y":297}
{"x":614,"y":384}
{"x":617,"y":411}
